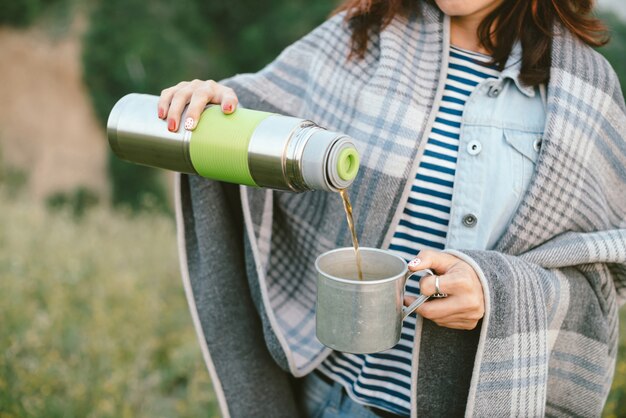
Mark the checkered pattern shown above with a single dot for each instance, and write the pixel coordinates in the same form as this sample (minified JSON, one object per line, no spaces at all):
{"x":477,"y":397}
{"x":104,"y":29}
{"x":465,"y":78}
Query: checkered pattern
{"x":555,"y":279}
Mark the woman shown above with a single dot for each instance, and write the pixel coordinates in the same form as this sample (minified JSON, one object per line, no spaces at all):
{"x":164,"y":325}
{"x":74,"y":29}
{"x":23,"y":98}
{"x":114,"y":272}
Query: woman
{"x":491,"y":138}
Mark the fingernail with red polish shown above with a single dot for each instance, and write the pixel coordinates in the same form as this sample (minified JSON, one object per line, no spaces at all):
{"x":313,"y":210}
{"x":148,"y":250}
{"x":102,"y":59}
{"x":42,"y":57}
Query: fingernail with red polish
{"x":161,"y":113}
{"x":171,"y":125}
{"x":189,"y":123}
{"x":415,"y":262}
{"x":227,"y":107}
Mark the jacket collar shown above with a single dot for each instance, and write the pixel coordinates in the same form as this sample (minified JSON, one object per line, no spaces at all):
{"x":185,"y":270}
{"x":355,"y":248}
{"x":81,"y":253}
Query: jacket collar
{"x":513,"y":68}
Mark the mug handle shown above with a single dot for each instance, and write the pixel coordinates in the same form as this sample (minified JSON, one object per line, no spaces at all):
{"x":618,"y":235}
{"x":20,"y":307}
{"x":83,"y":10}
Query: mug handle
{"x":407,"y":310}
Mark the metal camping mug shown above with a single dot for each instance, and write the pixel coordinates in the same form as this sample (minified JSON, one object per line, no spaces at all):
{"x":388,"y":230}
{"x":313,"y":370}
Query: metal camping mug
{"x":362,"y":316}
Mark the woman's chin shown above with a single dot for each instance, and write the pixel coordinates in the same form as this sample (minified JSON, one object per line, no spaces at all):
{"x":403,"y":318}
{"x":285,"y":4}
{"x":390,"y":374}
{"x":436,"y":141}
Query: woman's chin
{"x":462,"y":8}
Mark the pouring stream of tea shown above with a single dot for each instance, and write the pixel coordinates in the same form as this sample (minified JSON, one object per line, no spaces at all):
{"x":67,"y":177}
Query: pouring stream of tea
{"x":355,"y":242}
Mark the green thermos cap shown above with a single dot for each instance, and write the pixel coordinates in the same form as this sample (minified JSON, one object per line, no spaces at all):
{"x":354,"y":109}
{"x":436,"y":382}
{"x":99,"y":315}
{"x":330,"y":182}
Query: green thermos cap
{"x":348,"y":164}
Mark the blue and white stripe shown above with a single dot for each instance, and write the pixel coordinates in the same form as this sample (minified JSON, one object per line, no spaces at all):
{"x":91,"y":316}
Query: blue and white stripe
{"x":383,"y":379}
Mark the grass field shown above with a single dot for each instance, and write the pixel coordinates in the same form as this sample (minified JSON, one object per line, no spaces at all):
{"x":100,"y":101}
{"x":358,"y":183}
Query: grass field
{"x":93,"y":320}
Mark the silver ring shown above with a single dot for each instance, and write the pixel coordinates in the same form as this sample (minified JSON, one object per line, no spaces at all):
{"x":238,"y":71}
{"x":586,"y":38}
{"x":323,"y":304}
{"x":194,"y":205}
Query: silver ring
{"x":438,"y":293}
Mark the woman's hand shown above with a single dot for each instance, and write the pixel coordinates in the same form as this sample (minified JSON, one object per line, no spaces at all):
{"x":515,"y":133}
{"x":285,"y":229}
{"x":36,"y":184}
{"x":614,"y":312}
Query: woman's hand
{"x":197,"y":94}
{"x":465,"y":304}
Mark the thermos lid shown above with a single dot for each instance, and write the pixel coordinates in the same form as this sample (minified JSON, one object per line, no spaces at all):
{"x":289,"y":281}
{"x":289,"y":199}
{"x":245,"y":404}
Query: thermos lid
{"x":330,"y":161}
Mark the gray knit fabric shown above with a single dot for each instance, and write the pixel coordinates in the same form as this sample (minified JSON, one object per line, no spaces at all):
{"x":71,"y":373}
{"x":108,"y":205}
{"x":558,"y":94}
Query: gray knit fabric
{"x":553,"y":283}
{"x":225,"y":308}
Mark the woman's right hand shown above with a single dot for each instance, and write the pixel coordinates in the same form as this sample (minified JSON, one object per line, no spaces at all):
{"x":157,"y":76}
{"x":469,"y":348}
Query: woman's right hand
{"x":197,"y":94}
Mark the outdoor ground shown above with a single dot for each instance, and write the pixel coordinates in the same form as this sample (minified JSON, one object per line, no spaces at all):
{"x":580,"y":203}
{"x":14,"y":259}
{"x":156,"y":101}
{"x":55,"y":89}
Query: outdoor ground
{"x":94,"y":322}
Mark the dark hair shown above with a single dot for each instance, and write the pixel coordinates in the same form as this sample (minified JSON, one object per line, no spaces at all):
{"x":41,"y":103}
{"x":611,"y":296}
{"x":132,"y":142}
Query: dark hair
{"x":530,"y":21}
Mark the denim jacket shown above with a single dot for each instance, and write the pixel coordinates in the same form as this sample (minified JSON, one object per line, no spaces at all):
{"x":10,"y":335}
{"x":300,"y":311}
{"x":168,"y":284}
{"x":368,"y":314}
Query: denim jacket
{"x":503,"y":122}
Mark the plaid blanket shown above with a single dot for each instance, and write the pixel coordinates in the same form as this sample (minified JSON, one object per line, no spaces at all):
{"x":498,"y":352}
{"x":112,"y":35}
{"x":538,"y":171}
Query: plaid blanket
{"x":555,"y":279}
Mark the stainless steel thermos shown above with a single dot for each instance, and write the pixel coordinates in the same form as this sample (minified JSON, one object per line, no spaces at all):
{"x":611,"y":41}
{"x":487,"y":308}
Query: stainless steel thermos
{"x":246,"y":147}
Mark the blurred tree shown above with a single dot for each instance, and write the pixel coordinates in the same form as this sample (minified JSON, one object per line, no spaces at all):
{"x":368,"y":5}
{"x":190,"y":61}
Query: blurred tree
{"x":21,"y":13}
{"x":249,"y":33}
{"x":138,"y":46}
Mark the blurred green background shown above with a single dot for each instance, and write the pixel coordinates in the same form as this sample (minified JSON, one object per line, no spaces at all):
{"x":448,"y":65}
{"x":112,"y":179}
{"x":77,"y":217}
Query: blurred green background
{"x":93,"y":320}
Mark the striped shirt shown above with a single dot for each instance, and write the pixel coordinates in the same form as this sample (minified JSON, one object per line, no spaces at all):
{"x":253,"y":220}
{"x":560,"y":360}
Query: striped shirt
{"x":383,"y":380}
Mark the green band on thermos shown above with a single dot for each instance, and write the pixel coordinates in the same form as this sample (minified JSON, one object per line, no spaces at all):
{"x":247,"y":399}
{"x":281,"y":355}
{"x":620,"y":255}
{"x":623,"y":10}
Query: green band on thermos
{"x":219,"y":144}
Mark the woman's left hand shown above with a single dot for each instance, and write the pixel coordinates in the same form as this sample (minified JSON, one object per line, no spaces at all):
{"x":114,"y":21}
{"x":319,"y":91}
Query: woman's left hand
{"x":465,"y":304}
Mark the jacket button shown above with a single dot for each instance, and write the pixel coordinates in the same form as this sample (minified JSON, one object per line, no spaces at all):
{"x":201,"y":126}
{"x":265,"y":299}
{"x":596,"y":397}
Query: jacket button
{"x":537,"y":144}
{"x":470,"y":220}
{"x":474,"y":147}
{"x":494,"y":91}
